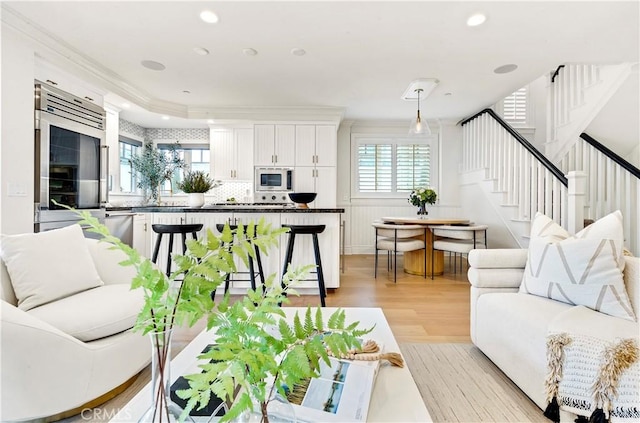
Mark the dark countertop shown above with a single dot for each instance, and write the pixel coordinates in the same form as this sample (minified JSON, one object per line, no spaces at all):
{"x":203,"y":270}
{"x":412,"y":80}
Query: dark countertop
{"x":119,"y":208}
{"x":231,"y":209}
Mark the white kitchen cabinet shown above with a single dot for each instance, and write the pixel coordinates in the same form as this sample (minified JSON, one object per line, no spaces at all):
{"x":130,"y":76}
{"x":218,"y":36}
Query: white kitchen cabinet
{"x":141,"y":234}
{"x":274,"y":145}
{"x":316,"y":145}
{"x":51,"y":75}
{"x":230,"y":148}
{"x":321,"y":180}
{"x":328,"y":241}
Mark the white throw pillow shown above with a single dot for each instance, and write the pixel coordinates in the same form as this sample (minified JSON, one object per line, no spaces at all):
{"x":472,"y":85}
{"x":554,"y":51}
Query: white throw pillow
{"x":47,"y":266}
{"x":585,"y":269}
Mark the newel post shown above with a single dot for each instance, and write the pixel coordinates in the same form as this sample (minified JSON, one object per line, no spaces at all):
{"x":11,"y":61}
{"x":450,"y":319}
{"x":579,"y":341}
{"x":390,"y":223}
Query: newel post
{"x":575,"y":202}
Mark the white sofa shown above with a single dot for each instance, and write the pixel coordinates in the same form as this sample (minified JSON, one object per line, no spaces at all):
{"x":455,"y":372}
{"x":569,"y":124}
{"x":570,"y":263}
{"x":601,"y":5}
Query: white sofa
{"x":46,"y":368}
{"x":511,"y":328}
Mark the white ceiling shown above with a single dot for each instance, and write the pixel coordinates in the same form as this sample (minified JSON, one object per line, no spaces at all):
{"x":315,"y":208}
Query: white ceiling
{"x":361,"y":55}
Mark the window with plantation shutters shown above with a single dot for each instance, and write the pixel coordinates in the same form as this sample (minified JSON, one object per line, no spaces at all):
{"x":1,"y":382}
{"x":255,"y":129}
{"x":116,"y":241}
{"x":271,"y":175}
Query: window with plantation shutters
{"x":375,"y":170}
{"x":412,"y":166}
{"x":391,"y":167}
{"x":514,"y":107}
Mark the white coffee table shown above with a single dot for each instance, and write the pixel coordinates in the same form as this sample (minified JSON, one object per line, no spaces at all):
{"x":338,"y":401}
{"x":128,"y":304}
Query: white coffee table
{"x":395,"y":397}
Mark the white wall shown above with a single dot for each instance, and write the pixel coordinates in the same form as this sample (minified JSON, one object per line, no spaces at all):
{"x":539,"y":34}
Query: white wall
{"x":17,"y":145}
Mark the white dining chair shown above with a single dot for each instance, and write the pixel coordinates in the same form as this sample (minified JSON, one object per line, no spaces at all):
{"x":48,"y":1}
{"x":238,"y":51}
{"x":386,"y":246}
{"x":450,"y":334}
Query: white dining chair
{"x":394,"y":238}
{"x":457,"y":240}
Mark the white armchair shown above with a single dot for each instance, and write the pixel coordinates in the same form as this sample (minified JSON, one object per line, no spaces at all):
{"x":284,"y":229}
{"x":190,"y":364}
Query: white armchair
{"x":46,"y":368}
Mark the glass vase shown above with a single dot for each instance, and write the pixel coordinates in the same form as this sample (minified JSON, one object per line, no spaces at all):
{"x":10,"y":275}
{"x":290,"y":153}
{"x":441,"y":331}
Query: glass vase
{"x":279,"y":410}
{"x":422,"y":211}
{"x":162,"y":409}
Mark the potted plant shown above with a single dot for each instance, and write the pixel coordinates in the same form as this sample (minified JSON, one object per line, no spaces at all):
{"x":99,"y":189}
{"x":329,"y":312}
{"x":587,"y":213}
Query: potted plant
{"x":421,"y":197}
{"x":156,"y":166}
{"x":196,"y":183}
{"x":249,"y":351}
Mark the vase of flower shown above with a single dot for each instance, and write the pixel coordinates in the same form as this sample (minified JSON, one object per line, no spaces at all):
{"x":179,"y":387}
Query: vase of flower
{"x":420,"y":197}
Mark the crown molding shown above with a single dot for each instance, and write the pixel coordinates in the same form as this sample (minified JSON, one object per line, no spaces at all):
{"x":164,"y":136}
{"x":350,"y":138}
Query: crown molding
{"x":269,"y":114}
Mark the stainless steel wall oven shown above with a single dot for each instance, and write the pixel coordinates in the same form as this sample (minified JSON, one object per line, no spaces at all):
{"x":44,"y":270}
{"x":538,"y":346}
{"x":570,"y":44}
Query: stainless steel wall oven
{"x":71,"y":157}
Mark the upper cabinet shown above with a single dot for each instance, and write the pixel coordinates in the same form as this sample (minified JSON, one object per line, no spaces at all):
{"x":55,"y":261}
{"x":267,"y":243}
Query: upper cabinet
{"x":274,"y":145}
{"x":316,"y":145}
{"x":49,"y":74}
{"x":230,"y":148}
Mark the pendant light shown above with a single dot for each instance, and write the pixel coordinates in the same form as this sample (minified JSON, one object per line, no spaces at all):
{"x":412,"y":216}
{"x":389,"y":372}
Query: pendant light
{"x":418,"y":126}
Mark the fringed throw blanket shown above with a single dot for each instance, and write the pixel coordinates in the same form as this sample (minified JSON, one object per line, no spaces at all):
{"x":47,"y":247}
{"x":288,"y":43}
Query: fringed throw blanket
{"x":593,"y":378}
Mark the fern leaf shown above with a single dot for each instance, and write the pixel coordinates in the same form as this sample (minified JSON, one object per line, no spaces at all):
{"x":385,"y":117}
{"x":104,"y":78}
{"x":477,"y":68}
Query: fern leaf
{"x":297,"y":327}
{"x":319,"y":320}
{"x":308,"y":323}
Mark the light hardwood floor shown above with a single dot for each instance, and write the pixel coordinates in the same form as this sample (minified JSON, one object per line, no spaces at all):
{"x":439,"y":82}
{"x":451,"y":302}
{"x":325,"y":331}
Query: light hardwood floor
{"x":417,"y":309}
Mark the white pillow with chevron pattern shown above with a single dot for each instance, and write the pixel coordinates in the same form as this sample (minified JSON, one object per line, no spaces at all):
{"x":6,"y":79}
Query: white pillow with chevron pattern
{"x":584,"y":269}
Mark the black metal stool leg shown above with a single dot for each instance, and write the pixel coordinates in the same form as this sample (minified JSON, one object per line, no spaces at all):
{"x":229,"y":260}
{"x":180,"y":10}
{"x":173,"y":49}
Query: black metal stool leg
{"x":375,"y":269}
{"x":316,"y":251}
{"x":289,"y":254}
{"x":260,"y":269}
{"x":169,"y":254}
{"x":156,"y":249}
{"x":252,"y":273}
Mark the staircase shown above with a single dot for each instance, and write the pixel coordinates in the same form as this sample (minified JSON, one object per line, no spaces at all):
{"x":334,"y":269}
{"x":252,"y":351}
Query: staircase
{"x":577,"y":93}
{"x":503,"y":170}
{"x":612,"y":184}
{"x":514,"y":177}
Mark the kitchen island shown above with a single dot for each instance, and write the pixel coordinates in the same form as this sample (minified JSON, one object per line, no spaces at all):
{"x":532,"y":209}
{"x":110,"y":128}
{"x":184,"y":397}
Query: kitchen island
{"x":276,"y":215}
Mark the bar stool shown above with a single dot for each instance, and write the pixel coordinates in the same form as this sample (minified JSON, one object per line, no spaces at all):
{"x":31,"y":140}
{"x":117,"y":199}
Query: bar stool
{"x":252,"y":272}
{"x":162,"y":229}
{"x":312,"y":230}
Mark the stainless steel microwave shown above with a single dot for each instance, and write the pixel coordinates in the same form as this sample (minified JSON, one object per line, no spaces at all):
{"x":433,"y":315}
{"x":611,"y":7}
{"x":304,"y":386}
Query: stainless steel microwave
{"x":274,"y":179}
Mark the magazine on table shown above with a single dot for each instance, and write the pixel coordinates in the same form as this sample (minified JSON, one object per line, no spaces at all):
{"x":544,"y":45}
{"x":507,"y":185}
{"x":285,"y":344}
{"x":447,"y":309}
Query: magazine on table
{"x":341,"y":392}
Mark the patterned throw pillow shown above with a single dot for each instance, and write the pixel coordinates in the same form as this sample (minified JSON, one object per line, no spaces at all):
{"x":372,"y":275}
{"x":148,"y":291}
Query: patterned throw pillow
{"x":585,"y":269}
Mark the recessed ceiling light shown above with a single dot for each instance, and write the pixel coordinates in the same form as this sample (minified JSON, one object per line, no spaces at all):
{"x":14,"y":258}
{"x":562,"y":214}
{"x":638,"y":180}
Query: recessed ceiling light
{"x":298,"y":51}
{"x":165,"y":117}
{"x":125,"y":105}
{"x":447,"y":94}
{"x":210,"y":121}
{"x":201,"y":51}
{"x":505,"y":68}
{"x":208,"y":16}
{"x":186,"y":92}
{"x":249,"y":51}
{"x":153,"y":65}
{"x":477,"y":19}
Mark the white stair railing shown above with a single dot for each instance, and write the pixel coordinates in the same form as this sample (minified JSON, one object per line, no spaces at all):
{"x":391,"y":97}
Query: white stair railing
{"x":528,"y":180}
{"x":611,"y":184}
{"x":576,"y":94}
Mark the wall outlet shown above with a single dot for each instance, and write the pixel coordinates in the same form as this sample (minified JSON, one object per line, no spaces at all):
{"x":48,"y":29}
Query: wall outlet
{"x":345,"y":197}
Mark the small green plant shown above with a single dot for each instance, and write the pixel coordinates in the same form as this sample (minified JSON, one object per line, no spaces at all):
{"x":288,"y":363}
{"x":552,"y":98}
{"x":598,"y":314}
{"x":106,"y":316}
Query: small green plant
{"x":197,"y":181}
{"x":156,"y":166}
{"x":256,"y":344}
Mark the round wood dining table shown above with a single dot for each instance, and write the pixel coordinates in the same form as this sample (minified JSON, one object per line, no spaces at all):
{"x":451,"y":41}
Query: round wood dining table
{"x":414,"y":260}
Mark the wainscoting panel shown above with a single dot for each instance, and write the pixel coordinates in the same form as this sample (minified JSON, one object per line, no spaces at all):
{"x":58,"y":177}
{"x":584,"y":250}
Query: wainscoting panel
{"x":359,"y":217}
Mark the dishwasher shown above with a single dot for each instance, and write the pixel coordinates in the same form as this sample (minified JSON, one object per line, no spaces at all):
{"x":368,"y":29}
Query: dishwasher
{"x":120,"y":224}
